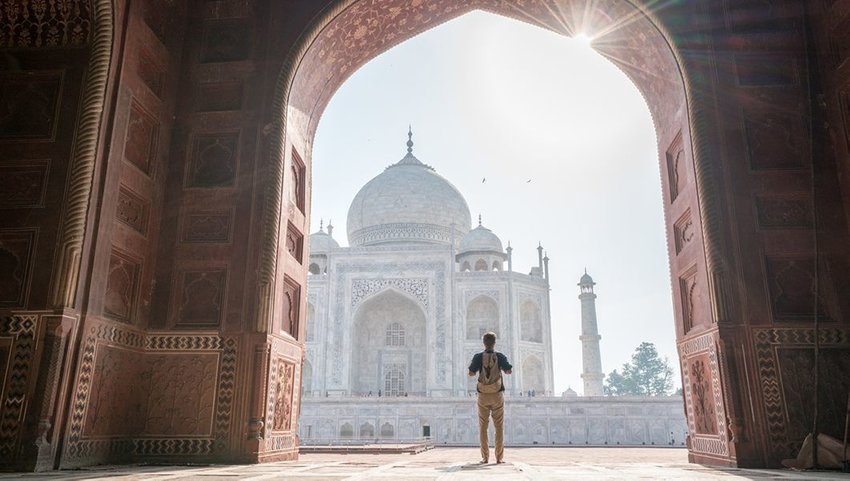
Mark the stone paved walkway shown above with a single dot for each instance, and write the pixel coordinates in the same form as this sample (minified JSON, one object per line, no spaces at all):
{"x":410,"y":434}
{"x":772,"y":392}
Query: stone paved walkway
{"x":453,"y":464}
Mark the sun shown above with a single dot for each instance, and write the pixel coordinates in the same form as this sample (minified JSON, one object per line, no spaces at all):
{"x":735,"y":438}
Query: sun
{"x":583,"y":38}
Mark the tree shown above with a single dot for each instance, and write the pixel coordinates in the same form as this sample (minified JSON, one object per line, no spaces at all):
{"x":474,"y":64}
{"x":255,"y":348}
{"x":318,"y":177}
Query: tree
{"x":646,"y":375}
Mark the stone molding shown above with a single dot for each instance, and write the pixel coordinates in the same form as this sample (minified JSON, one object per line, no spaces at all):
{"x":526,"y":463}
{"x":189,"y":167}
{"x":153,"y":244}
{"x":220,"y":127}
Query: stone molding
{"x":73,"y":230}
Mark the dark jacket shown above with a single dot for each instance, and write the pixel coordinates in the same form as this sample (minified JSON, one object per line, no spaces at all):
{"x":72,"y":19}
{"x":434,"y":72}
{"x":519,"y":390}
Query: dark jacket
{"x":504,"y":365}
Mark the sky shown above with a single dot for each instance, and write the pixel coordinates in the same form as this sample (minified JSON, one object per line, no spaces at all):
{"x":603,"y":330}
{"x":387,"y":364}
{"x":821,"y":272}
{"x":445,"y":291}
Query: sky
{"x":495,"y":98}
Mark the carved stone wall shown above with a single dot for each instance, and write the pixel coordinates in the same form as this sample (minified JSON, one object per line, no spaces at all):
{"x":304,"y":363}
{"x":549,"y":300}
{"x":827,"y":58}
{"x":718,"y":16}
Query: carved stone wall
{"x":155,"y":396}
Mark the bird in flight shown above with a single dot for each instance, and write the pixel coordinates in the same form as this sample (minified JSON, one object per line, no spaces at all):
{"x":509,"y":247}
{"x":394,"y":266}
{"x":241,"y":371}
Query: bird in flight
{"x":483,"y":179}
{"x":528,"y":181}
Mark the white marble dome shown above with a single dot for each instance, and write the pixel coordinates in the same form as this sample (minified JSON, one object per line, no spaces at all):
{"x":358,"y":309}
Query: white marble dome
{"x":407,"y":203}
{"x":322,"y":242}
{"x":480,"y":239}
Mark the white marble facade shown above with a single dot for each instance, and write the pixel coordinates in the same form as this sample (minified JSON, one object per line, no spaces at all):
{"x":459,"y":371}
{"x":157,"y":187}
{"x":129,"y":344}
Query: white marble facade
{"x":402,"y":310}
{"x":394,"y":320}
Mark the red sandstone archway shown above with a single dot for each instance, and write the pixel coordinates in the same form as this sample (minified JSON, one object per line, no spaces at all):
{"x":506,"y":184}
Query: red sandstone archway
{"x":114,"y":239}
{"x":350,"y":33}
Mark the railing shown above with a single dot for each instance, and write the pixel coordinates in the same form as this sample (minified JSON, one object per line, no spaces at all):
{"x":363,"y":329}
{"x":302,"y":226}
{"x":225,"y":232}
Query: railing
{"x":336,"y":441}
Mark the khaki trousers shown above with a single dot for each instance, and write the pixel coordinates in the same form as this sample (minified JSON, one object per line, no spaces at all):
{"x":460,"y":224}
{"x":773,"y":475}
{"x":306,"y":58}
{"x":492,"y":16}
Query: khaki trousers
{"x":491,"y":404}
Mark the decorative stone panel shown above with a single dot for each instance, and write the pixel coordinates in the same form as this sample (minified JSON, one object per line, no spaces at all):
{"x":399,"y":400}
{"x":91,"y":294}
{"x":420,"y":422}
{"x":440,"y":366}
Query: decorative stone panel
{"x":784,"y":212}
{"x":791,"y":287}
{"x":132,"y":210}
{"x":282,"y":402}
{"x":23,"y":183}
{"x":151,"y":395}
{"x":141,"y":138}
{"x":294,"y":242}
{"x":774,"y":140}
{"x":207,"y":227}
{"x":689,"y":293}
{"x":202,"y":298}
{"x":213,"y":160}
{"x":29,"y":101}
{"x":362,"y":289}
{"x":46,"y":25}
{"x":298,"y":181}
{"x":291,"y":314}
{"x":226,"y":41}
{"x":283,"y":382}
{"x":703,"y":397}
{"x":150,"y":72}
{"x":122,"y":286}
{"x":17,"y":249}
{"x":159,"y":17}
{"x":219,"y":97}
{"x":676,"y":169}
{"x":785,"y":365}
{"x":684,"y":231}
{"x":17,"y":334}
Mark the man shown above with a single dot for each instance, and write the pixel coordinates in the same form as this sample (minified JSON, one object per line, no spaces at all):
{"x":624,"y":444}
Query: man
{"x":489,"y":366}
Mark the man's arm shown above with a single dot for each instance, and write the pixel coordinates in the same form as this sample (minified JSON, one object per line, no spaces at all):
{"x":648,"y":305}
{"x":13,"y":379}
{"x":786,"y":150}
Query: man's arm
{"x":504,"y":365}
{"x":475,"y":365}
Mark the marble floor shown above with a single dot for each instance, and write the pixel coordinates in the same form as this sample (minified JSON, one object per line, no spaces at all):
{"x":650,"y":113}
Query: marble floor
{"x":452,"y":464}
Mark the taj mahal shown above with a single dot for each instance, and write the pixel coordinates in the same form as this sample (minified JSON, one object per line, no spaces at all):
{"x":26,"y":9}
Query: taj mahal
{"x":394,"y":319}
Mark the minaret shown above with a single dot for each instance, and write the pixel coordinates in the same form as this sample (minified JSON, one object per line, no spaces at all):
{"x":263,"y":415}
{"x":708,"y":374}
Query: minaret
{"x":540,"y":256}
{"x":590,"y":358}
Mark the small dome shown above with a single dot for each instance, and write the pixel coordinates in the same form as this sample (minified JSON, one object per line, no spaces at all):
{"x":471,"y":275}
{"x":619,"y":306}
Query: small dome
{"x":480,"y":239}
{"x":321,"y":242}
{"x":569,"y":393}
{"x":586,"y":279}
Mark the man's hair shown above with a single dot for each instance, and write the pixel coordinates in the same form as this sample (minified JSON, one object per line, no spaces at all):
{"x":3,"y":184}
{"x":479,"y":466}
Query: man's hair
{"x":489,"y":339}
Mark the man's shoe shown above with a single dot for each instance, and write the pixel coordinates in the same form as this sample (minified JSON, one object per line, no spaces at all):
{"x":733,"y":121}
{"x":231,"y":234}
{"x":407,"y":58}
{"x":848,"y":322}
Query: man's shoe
{"x":500,"y":461}
{"x":483,"y":461}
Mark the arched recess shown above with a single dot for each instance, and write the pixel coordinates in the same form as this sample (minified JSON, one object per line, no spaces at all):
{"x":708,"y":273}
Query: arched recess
{"x":532,"y":375}
{"x":346,"y":431}
{"x":628,"y":33}
{"x":367,"y":431}
{"x":387,"y":430}
{"x":382,"y":318}
{"x":481,"y":265}
{"x":482,"y":315}
{"x":530,"y":322}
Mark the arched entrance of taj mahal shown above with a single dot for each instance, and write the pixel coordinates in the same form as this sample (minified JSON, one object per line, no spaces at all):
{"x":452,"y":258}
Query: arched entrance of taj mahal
{"x":154,"y":304}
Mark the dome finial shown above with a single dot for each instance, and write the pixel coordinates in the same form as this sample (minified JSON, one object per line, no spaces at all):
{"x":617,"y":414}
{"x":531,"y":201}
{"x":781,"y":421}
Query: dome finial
{"x":409,"y":139}
{"x":321,"y":225}
{"x":479,"y":220}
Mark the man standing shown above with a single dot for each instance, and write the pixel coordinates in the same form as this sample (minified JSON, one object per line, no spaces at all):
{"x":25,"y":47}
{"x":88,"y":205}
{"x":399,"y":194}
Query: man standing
{"x":489,"y":366}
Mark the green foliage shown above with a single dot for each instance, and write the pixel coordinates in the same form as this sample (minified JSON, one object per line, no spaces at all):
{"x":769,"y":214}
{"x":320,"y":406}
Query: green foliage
{"x":646,"y":375}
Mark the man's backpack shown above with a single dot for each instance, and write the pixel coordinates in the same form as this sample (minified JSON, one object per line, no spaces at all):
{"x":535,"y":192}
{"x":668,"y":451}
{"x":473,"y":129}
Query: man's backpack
{"x":490,"y":376}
